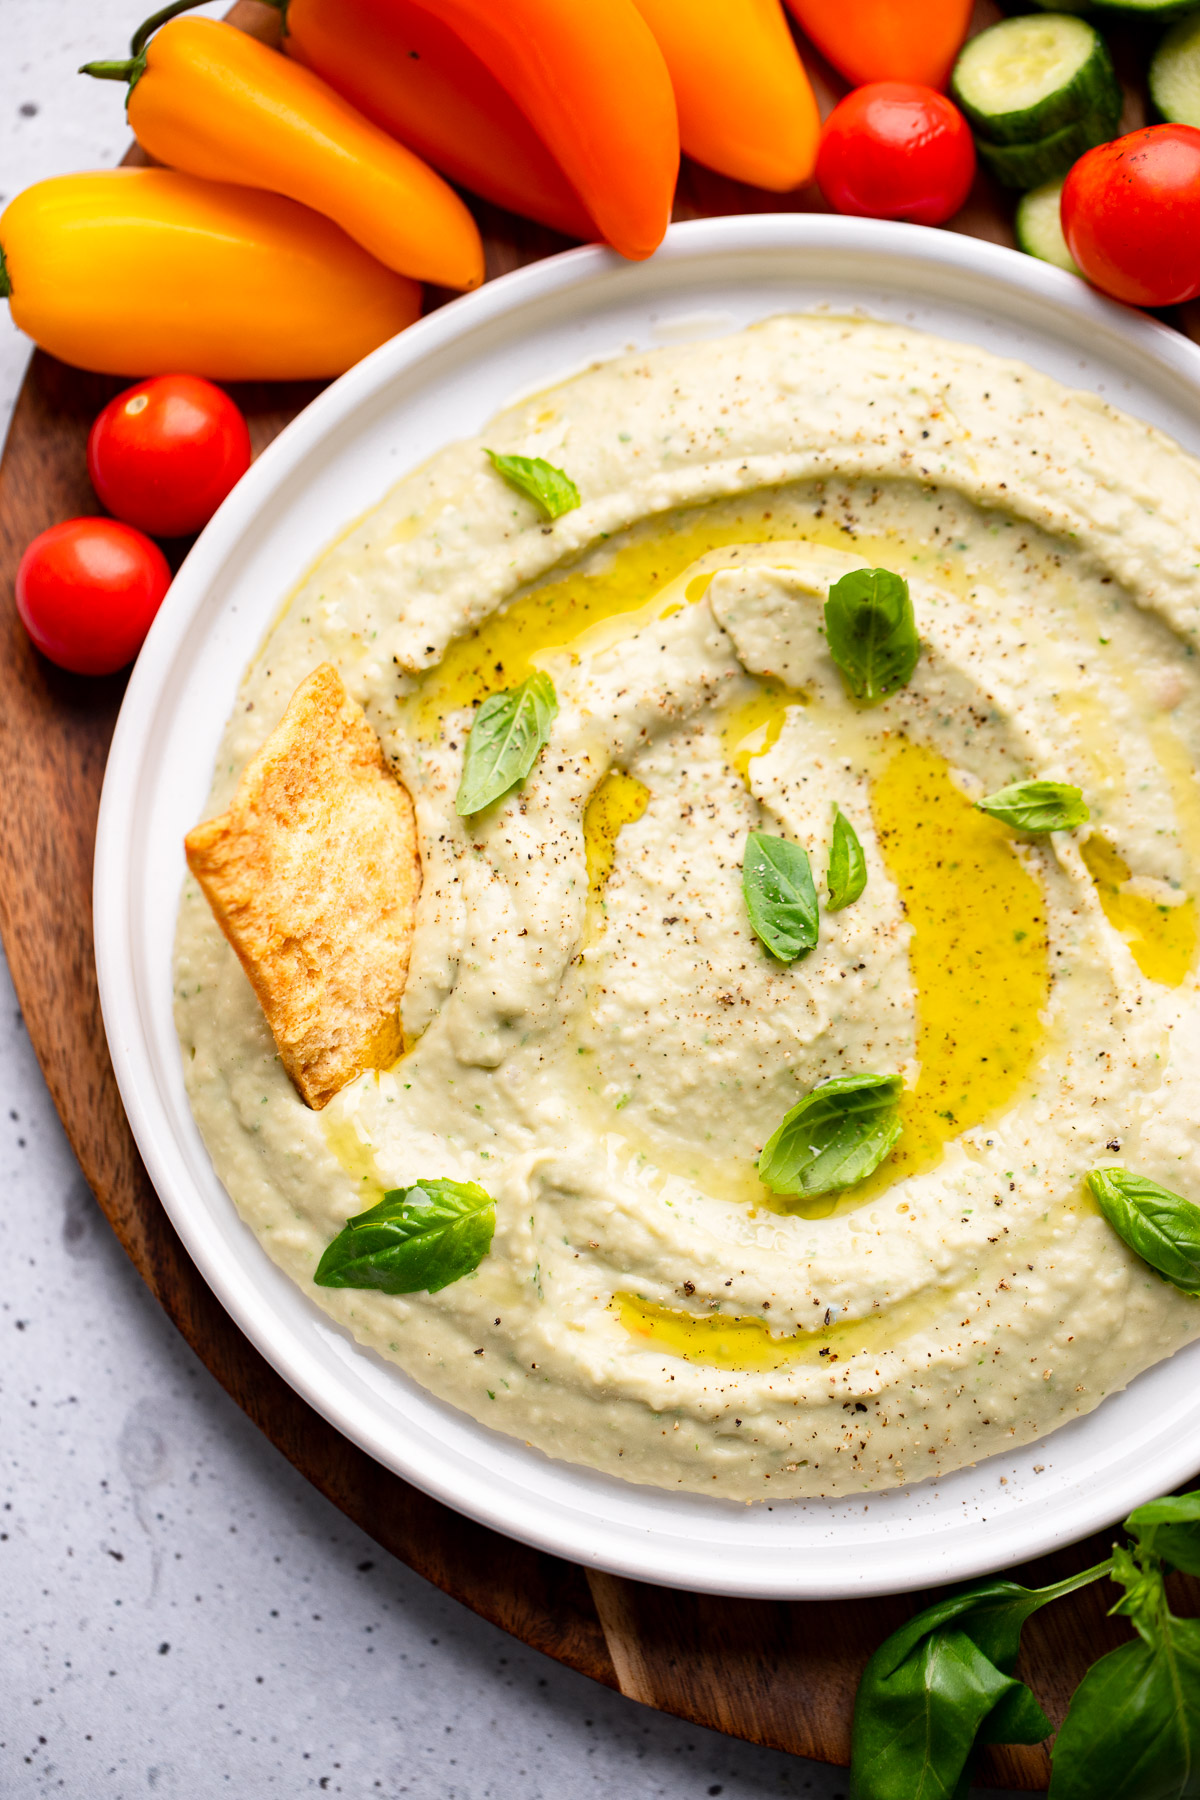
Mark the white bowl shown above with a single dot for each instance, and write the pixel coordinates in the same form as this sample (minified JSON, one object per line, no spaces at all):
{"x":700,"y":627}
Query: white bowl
{"x":442,"y":380}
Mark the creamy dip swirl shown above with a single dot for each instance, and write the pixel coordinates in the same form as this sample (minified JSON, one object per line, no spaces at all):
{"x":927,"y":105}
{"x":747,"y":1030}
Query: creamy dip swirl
{"x":596,"y":1036}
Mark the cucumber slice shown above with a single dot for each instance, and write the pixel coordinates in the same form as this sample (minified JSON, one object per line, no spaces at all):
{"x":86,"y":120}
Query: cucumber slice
{"x":1025,"y":78}
{"x":1039,"y":227}
{"x":1175,"y":73}
{"x":1159,"y":10}
{"x":1029,"y":165}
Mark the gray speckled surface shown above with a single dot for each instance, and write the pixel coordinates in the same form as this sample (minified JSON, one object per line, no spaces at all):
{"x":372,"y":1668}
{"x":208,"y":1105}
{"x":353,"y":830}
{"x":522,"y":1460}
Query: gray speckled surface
{"x":180,"y":1614}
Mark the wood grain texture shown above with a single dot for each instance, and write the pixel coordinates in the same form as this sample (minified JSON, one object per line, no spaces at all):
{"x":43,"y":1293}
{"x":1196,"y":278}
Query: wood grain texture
{"x":778,"y":1674}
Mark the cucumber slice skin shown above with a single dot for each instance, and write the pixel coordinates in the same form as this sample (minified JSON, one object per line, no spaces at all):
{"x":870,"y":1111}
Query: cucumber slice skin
{"x":1093,"y":88}
{"x":1029,"y":165}
{"x":1175,"y":73}
{"x":1158,"y":10}
{"x":1161,"y":11}
{"x":1039,"y":227}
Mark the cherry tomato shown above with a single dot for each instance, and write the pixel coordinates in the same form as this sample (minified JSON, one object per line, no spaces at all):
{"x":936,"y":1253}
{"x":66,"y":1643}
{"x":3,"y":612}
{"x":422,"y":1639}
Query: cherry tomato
{"x":87,"y":591}
{"x":1131,"y":215}
{"x":896,"y":150}
{"x":164,"y":454}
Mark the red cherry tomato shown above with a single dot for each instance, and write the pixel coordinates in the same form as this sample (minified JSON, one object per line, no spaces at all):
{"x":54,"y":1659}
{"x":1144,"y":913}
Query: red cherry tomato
{"x":164,"y":454}
{"x":1131,"y":215}
{"x":896,"y":150}
{"x":87,"y":591}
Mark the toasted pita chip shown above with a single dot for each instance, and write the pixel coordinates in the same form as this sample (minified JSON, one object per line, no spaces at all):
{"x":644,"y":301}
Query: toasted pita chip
{"x":313,"y":875}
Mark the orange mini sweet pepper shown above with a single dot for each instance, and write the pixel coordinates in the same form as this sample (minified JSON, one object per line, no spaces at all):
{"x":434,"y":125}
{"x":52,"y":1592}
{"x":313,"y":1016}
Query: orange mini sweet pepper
{"x":404,"y":68}
{"x":887,"y":40}
{"x":745,"y":104}
{"x":149,"y":272}
{"x":591,"y":78}
{"x":558,"y":109}
{"x":212,"y":101}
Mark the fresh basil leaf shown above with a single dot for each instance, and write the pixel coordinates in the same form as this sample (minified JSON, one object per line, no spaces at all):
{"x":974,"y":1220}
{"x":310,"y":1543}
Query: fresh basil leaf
{"x":418,"y":1238}
{"x":540,"y":481}
{"x":871,"y":632}
{"x":1037,"y":806}
{"x":1170,"y":1528}
{"x":918,"y":1731}
{"x":1133,"y":1727}
{"x":1161,"y":1227}
{"x":847,"y":873}
{"x":780,"y":897}
{"x":944,"y":1683}
{"x":507,"y":733}
{"x":834,"y":1137}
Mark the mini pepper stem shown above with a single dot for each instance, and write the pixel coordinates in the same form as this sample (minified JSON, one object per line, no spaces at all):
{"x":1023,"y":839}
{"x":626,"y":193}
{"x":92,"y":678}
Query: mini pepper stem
{"x":133,"y":67}
{"x":146,"y":31}
{"x":129,"y":70}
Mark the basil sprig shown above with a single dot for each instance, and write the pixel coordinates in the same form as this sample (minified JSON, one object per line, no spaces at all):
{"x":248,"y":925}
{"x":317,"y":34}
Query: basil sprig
{"x":507,"y":733}
{"x":418,"y":1238}
{"x":780,"y":897}
{"x":1133,"y":1727}
{"x":846,"y":876}
{"x":550,"y":488}
{"x":1037,"y":806}
{"x":834,"y":1137}
{"x":1161,"y":1227}
{"x":871,"y":632}
{"x":944,"y":1683}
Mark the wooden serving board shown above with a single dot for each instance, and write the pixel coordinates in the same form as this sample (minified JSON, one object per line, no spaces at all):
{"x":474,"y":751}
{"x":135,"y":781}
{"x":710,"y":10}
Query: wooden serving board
{"x":778,"y":1674}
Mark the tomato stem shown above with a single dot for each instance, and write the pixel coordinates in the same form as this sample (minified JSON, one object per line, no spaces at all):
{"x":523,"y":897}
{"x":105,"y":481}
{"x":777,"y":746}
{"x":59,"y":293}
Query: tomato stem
{"x":5,"y":283}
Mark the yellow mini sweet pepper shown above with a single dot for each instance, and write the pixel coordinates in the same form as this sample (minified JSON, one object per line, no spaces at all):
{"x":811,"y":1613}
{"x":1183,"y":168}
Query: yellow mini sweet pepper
{"x":149,"y":272}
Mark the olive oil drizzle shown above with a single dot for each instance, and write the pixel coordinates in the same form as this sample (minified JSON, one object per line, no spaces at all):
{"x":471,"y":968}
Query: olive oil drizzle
{"x":619,"y":800}
{"x":558,"y":615}
{"x":1161,"y":939}
{"x":978,"y":956}
{"x":554,"y":617}
{"x":357,"y":1158}
{"x":741,"y":1341}
{"x":754,"y":726}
